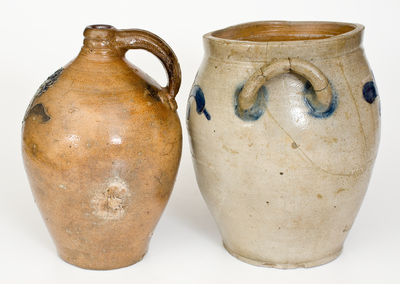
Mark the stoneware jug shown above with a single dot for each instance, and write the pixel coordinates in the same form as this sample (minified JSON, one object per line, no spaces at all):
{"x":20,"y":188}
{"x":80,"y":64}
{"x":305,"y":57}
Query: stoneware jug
{"x":101,"y":144}
{"x":284,"y":120}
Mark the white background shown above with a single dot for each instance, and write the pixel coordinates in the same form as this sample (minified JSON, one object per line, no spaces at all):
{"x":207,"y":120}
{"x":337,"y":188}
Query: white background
{"x":37,"y":37}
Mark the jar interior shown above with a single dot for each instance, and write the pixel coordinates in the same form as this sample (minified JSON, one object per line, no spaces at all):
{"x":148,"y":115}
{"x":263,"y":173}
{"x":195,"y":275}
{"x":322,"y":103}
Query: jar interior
{"x":283,"y":31}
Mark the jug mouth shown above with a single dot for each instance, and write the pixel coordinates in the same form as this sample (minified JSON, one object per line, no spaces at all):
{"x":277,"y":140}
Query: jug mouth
{"x":323,"y":39}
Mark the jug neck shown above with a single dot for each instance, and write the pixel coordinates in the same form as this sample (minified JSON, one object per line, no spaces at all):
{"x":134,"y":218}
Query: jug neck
{"x":100,"y":42}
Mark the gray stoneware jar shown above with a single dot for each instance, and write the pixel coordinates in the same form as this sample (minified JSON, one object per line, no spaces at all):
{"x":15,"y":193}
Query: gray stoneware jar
{"x":284,"y":121}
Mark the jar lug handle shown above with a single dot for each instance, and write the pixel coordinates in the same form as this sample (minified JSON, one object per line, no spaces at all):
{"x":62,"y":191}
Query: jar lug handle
{"x":309,"y":71}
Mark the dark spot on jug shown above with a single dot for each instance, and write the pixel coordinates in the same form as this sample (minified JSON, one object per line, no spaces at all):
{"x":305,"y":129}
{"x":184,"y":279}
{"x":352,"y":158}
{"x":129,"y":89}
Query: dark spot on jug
{"x":50,"y":81}
{"x":198,"y":95}
{"x":369,"y":92}
{"x":39,"y":112}
{"x":256,"y":110}
{"x":316,"y":109}
{"x":152,"y":91}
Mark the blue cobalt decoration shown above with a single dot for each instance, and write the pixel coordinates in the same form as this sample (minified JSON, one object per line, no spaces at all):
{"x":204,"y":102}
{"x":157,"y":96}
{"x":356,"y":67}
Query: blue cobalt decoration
{"x":317,"y":109}
{"x":369,"y":92}
{"x":257,"y":109}
{"x":198,"y":95}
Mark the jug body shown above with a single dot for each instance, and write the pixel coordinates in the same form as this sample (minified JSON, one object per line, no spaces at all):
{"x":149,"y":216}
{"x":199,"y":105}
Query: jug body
{"x":284,"y":124}
{"x":101,"y":143}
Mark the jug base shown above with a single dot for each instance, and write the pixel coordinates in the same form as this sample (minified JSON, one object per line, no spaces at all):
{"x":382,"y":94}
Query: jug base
{"x":90,"y":265}
{"x":266,"y":263}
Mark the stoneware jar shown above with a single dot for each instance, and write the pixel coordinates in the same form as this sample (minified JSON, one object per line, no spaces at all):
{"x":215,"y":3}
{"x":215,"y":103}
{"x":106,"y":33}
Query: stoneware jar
{"x":284,"y":120}
{"x":101,"y":143}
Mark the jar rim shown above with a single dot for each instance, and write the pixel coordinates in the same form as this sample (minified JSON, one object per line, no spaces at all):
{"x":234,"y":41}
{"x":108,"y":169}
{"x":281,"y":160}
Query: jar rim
{"x":233,"y":44}
{"x":285,"y":32}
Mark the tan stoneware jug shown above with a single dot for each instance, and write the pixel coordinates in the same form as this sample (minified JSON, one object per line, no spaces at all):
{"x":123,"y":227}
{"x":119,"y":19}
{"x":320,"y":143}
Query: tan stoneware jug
{"x":101,"y":143}
{"x":284,"y":120}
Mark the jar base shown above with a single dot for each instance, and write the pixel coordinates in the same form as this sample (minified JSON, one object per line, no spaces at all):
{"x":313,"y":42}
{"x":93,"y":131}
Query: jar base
{"x":266,"y":263}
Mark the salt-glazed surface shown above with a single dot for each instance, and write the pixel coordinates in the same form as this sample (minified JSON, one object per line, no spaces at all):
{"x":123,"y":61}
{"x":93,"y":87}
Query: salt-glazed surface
{"x":284,"y":123}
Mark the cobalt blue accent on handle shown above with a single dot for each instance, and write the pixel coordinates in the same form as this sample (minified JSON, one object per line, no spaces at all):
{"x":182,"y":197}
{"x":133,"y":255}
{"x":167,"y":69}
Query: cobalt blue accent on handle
{"x":256,"y":110}
{"x":317,"y":109}
{"x":198,"y":95}
{"x":369,"y":92}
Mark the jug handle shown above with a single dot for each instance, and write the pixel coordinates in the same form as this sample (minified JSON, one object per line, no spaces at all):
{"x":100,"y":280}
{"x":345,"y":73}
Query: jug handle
{"x":141,"y":39}
{"x":309,"y":71}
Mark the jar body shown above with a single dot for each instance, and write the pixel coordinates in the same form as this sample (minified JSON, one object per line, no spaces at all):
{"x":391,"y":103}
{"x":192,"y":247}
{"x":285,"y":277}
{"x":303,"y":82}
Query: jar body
{"x":284,"y":183}
{"x":101,"y":153}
